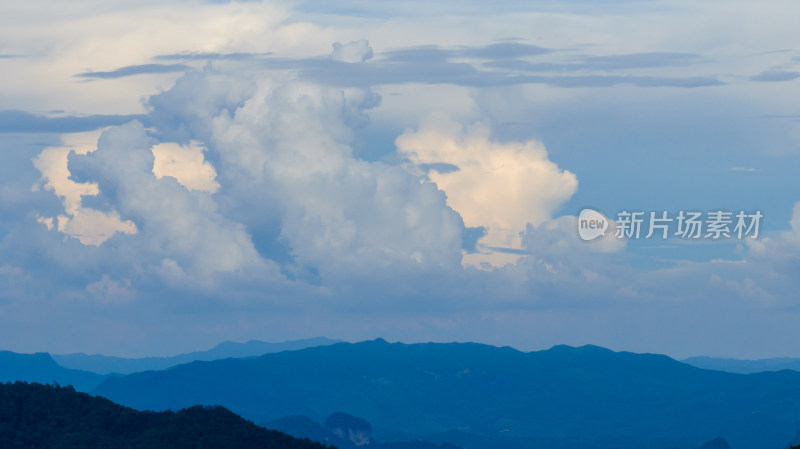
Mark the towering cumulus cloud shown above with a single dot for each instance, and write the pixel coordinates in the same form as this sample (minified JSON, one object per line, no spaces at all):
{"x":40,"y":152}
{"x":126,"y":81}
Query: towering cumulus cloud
{"x":501,"y":187}
{"x":90,"y":226}
{"x":287,"y":148}
{"x":182,"y":231}
{"x":257,"y":179}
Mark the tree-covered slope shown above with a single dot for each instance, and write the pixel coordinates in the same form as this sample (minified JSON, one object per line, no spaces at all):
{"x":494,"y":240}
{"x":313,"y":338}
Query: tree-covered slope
{"x":36,"y":416}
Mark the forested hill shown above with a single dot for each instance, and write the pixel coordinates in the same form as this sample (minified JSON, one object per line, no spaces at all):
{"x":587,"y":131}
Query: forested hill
{"x":484,"y":397}
{"x":36,"y":416}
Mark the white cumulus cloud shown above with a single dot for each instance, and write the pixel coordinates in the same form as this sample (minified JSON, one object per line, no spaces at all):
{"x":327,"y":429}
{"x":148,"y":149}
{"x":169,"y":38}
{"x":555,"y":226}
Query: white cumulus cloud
{"x":186,"y":164}
{"x":89,"y":226}
{"x":356,"y":51}
{"x":182,"y":225}
{"x":500,"y":186}
{"x":290,"y":142}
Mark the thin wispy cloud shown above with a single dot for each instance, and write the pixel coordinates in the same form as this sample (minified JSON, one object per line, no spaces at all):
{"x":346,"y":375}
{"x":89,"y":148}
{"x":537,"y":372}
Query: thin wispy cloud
{"x":203,"y":56}
{"x":745,"y":169}
{"x":773,"y":76}
{"x":13,"y":121}
{"x":142,"y":69}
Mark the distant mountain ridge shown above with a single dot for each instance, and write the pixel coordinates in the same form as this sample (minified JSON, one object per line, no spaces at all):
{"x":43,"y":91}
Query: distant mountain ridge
{"x":745,"y":366}
{"x":480,"y":397}
{"x":41,"y":367}
{"x":103,"y":364}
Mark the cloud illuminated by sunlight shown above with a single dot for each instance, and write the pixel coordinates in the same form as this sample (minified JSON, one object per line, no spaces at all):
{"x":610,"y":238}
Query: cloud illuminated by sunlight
{"x":89,"y":226}
{"x":502,"y":187}
{"x":186,"y":164}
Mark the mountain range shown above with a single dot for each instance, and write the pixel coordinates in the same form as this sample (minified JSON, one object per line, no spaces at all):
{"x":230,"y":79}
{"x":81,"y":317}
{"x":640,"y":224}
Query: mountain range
{"x":41,"y":367}
{"x":478,"y":396}
{"x":469,"y":395}
{"x":103,"y":364}
{"x":85,"y":372}
{"x":745,"y":366}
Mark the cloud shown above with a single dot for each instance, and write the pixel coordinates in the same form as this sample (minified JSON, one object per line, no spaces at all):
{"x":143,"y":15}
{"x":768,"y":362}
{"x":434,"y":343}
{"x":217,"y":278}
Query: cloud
{"x":501,"y":187}
{"x":107,"y":290}
{"x":557,"y":238}
{"x":639,"y":60}
{"x":52,"y":164}
{"x":610,"y":81}
{"x":93,"y":227}
{"x":772,"y":76}
{"x":263,"y":167}
{"x":185,"y":111}
{"x":131,"y":70}
{"x":781,"y":249}
{"x":186,"y":164}
{"x":356,"y":51}
{"x":296,"y":230}
{"x":338,"y":214}
{"x":212,"y":56}
{"x":178,"y":227}
{"x":62,"y":43}
{"x":605,"y":63}
{"x":376,"y":72}
{"x":14,"y":121}
{"x":745,"y":169}
{"x":89,"y":226}
{"x":433,"y":65}
{"x":514,"y":54}
{"x":502,"y":50}
{"x":437,"y":54}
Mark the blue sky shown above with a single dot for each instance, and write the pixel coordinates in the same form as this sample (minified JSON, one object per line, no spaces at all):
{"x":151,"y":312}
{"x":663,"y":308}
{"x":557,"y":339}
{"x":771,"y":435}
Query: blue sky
{"x":178,"y":174}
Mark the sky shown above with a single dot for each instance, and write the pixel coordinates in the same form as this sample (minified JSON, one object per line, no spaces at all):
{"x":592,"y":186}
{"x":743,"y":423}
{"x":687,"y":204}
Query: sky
{"x":177,"y":174}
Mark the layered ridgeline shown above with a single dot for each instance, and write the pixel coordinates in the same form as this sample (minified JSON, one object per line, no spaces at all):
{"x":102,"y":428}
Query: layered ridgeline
{"x":41,"y":367}
{"x":479,"y":396}
{"x":36,"y":416}
{"x":745,"y":366}
{"x":85,"y":372}
{"x":103,"y":364}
